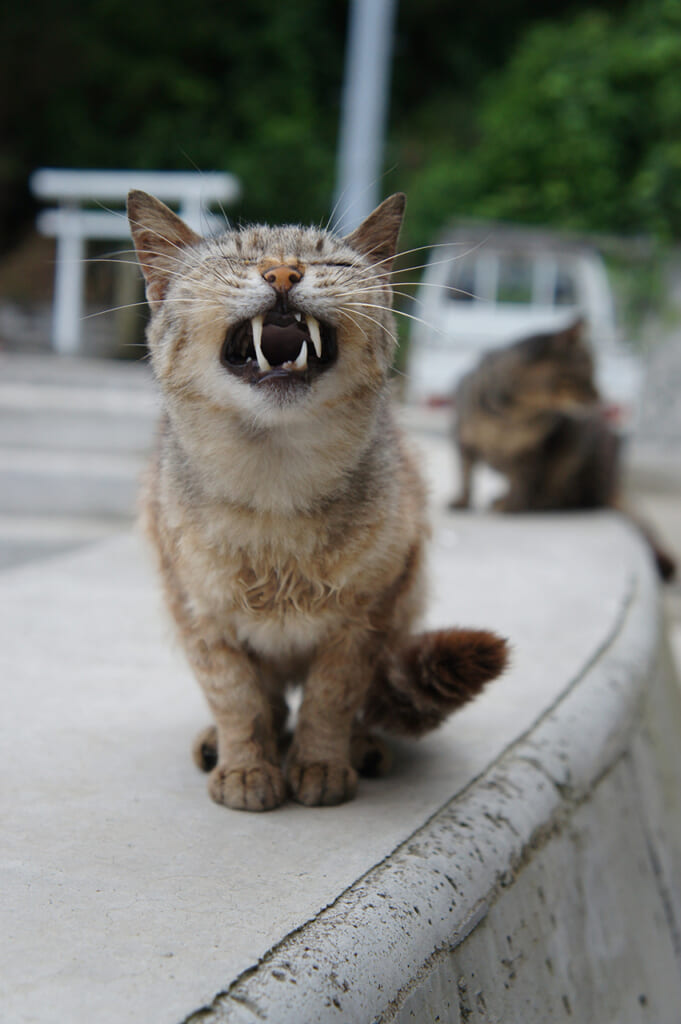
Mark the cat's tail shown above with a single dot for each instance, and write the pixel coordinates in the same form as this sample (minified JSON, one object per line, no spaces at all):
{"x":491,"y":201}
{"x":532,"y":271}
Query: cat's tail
{"x":434,"y":674}
{"x":664,"y":560}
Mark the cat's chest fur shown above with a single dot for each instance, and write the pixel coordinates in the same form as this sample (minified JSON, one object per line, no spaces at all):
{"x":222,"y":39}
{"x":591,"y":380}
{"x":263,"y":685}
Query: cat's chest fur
{"x":278,"y":579}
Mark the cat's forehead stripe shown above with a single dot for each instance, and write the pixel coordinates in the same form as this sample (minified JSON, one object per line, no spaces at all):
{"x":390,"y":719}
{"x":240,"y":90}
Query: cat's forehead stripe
{"x":284,"y":243}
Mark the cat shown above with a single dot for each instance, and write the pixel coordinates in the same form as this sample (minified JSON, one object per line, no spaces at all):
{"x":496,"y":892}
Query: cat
{"x":285,"y":507}
{"x":532,"y":411}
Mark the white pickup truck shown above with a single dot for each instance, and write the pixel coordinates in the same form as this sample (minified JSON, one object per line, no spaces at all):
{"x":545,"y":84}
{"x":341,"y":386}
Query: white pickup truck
{"x":488,"y":286}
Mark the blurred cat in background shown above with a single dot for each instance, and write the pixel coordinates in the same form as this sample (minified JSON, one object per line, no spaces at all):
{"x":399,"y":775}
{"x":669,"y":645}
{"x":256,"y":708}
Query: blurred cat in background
{"x":532,"y":411}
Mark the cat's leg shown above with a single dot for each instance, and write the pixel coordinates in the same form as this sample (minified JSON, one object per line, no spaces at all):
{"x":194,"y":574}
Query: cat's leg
{"x":524,"y":487}
{"x":247,"y":775}
{"x":467,"y":461}
{"x":319,"y":768}
{"x":205,"y":745}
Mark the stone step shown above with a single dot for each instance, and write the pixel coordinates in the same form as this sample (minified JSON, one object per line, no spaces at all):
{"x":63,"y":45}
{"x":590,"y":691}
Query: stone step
{"x":69,"y":483}
{"x":74,"y":420}
{"x":50,"y":370}
{"x":74,"y":438}
{"x":81,"y":406}
{"x":30,"y":538}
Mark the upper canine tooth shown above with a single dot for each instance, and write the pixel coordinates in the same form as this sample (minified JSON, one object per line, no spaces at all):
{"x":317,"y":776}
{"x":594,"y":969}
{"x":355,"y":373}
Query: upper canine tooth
{"x":301,"y":361}
{"x":256,"y":327}
{"x":313,"y":328}
{"x":298,"y":316}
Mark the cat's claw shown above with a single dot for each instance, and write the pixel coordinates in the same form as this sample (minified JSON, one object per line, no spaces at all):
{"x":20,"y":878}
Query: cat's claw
{"x":252,"y":787}
{"x":322,"y":783}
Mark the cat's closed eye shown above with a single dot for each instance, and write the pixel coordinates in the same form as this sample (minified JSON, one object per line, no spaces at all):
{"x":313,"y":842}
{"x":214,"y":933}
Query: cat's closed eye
{"x":331,"y":263}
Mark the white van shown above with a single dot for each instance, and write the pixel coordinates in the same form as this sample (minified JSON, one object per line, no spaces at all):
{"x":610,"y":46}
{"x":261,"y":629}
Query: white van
{"x":489,"y":285}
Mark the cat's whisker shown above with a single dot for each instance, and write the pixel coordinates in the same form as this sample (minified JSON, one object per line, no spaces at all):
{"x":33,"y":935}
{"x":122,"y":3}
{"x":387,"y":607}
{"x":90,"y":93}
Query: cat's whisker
{"x":439,"y":245}
{"x":410,"y":298}
{"x":421,"y":284}
{"x":399,"y":312}
{"x":334,"y":211}
{"x":413,"y":298}
{"x":114,"y":309}
{"x":156,"y":233}
{"x":363,"y":194}
{"x":344,"y":313}
{"x":200,"y":171}
{"x":378,"y":323}
{"x":134,"y":305}
{"x":444,"y":288}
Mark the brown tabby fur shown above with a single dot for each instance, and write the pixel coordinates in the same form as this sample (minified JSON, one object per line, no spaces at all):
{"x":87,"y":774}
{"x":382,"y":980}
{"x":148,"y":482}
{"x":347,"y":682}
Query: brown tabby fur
{"x":531,"y":411}
{"x":285,"y":507}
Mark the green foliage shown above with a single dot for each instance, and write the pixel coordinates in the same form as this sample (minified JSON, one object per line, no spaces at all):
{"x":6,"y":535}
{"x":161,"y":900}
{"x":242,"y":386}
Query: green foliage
{"x":581,"y":129}
{"x":565,"y":112}
{"x":251,"y":88}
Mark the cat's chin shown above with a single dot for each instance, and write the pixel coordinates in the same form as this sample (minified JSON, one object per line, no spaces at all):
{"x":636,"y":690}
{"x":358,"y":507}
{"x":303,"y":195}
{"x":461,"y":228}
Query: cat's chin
{"x":284,"y":386}
{"x":281,"y":353}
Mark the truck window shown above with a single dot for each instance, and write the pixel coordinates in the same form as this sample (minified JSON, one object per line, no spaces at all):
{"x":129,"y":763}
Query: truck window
{"x":515,"y":278}
{"x":461,"y":282}
{"x":565,"y":293}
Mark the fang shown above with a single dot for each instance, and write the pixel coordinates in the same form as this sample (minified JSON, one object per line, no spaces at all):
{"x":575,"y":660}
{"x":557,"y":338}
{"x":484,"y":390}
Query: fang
{"x":313,"y":328}
{"x":256,"y":326}
{"x":301,"y":361}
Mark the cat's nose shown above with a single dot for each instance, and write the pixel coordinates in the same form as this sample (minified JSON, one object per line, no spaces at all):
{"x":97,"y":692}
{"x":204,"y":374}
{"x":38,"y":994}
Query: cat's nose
{"x":283,"y":277}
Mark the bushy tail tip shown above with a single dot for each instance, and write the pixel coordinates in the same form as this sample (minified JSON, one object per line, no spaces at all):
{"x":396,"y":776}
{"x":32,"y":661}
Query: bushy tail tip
{"x":435,"y":674}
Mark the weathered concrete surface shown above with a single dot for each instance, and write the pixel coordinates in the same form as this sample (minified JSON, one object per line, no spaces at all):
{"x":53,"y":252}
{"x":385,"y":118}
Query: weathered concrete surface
{"x":546,"y":891}
{"x":129,"y":896}
{"x":588,"y":928}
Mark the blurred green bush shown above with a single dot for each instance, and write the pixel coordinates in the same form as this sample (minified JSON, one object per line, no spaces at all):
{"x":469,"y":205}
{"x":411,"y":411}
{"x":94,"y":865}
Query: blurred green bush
{"x":580,"y":129}
{"x":565,"y":112}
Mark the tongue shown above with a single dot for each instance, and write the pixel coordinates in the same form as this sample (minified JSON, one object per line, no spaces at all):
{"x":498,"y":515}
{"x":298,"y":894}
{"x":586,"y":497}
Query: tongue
{"x":282,"y":344}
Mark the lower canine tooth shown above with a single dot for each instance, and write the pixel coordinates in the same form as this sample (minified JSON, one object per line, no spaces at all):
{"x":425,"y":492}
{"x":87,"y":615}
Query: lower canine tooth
{"x":256,"y":327}
{"x":313,"y":328}
{"x":301,"y":361}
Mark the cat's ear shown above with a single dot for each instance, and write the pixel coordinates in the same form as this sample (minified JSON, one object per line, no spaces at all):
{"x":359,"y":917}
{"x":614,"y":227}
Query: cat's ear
{"x":376,"y":237}
{"x":159,"y":236}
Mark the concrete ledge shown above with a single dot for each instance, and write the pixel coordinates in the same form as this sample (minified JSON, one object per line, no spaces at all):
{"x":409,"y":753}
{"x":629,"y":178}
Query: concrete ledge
{"x":384,"y":951}
{"x":539,"y":826}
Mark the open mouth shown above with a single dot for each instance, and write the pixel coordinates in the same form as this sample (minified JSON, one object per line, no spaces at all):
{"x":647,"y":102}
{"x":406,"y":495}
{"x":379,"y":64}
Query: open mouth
{"x":279,"y":347}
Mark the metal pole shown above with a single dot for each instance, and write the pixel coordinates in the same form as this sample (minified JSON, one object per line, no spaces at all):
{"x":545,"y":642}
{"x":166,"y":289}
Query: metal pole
{"x":364,"y":110}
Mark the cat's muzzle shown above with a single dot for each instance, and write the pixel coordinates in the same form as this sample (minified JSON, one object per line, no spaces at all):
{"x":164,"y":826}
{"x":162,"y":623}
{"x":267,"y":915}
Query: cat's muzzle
{"x":279,"y":347}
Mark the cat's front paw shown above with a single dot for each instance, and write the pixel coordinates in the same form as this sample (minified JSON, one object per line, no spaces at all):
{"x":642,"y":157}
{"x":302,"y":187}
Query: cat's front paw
{"x":251,"y":787}
{"x":322,"y":783}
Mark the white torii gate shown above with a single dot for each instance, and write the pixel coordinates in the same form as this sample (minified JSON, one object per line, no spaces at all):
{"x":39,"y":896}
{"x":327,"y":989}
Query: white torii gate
{"x":73,"y":226}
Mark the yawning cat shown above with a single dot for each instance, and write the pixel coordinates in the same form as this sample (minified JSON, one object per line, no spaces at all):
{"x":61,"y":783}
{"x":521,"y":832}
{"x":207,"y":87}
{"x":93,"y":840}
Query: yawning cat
{"x":285,"y":507}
